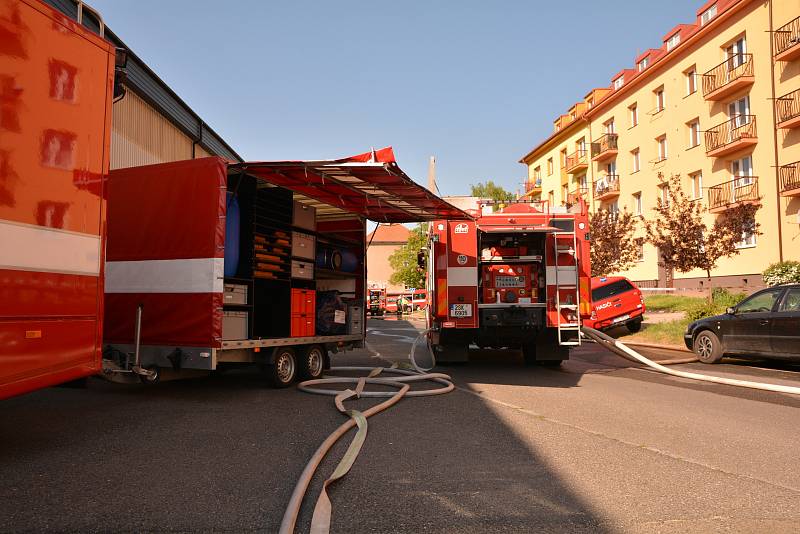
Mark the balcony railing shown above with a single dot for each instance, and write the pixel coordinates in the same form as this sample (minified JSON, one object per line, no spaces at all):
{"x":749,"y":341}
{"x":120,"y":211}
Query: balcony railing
{"x":789,"y":176}
{"x":735,"y":134}
{"x":576,"y":194}
{"x":731,"y":75}
{"x":742,"y":189}
{"x":606,"y":187}
{"x":577,"y":161}
{"x":533,"y":185}
{"x":604,"y":147}
{"x":788,"y":109}
{"x":787,"y":41}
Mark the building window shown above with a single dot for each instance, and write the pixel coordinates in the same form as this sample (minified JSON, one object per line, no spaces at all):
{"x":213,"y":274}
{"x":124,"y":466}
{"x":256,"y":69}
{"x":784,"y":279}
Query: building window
{"x":694,"y":133}
{"x":551,"y":198}
{"x":549,"y":166}
{"x":748,"y":238}
{"x":708,"y":14}
{"x":563,"y":157}
{"x":661,"y":142}
{"x":564,"y":193}
{"x":664,"y":194}
{"x":640,"y":249}
{"x":691,"y":81}
{"x":637,"y":203}
{"x":659,"y":94}
{"x":619,"y":82}
{"x":673,"y":41}
{"x":613,"y":208}
{"x":642,"y":64}
{"x":634,"y":115}
{"x":609,"y":126}
{"x":696,"y":179}
{"x":580,"y":144}
{"x":735,"y":52}
{"x":635,"y":164}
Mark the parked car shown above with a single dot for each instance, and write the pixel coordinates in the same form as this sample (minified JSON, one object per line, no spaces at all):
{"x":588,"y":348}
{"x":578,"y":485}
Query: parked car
{"x":766,"y":324}
{"x":616,"y":301}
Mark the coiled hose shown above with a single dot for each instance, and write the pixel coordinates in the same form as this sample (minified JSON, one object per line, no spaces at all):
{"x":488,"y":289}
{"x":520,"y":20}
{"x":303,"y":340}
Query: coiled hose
{"x":629,"y":354}
{"x":321,"y":519}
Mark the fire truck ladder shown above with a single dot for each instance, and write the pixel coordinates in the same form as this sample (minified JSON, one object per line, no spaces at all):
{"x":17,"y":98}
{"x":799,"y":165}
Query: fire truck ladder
{"x":568,"y":332}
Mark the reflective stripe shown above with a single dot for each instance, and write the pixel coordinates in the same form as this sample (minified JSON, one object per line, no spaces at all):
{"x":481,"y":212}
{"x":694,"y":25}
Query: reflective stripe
{"x":462,"y":276}
{"x":27,"y":247}
{"x":197,"y":275}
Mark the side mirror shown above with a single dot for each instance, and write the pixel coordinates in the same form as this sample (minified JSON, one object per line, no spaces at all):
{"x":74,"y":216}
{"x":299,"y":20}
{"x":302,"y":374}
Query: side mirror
{"x":730,"y":311}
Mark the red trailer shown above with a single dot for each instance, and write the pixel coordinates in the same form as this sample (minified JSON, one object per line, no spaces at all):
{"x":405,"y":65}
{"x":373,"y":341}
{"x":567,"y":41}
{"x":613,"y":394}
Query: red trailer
{"x":515,"y":278}
{"x":56,"y":85}
{"x":212,"y":263}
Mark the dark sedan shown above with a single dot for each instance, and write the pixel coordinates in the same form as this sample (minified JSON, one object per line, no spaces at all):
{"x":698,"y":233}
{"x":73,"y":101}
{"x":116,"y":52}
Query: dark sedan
{"x":766,"y":325}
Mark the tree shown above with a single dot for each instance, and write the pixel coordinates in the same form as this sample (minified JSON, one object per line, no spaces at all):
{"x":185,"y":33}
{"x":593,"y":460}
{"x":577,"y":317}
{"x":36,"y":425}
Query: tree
{"x":683,"y":239}
{"x":492,"y":191}
{"x":405,"y":267}
{"x":613,"y":247}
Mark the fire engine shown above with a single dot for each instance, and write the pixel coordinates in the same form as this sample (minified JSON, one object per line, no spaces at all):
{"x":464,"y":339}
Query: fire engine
{"x":376,"y":301}
{"x":518,"y":277}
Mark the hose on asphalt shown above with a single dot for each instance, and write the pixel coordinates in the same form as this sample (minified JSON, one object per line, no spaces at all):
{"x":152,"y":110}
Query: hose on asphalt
{"x":629,"y":354}
{"x":321,"y":518}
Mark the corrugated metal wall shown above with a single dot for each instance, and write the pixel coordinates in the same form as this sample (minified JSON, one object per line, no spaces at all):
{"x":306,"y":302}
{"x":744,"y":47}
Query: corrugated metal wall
{"x":142,"y":136}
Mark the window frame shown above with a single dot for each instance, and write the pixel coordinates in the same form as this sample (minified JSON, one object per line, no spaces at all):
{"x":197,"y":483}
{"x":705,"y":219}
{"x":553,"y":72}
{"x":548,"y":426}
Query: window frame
{"x":775,"y":290}
{"x":705,"y":20}
{"x":693,"y":127}
{"x":661,"y":100}
{"x":633,"y":115}
{"x":638,"y":208}
{"x":696,"y":178}
{"x":691,"y":80}
{"x":662,"y":148}
{"x":636,"y":160}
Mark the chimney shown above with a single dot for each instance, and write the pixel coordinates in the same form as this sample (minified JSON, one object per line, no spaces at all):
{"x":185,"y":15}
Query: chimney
{"x":432,"y":175}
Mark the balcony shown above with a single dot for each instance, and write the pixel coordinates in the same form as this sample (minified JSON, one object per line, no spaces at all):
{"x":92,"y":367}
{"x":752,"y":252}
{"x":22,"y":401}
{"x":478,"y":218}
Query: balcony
{"x":787,"y":41}
{"x":738,"y":133}
{"x":533,"y":187}
{"x":789,"y":176}
{"x":607,"y":187}
{"x":730,"y":76}
{"x":605,"y":147}
{"x":577,"y":194}
{"x":787,"y":108}
{"x":741,"y":190}
{"x":577,"y":161}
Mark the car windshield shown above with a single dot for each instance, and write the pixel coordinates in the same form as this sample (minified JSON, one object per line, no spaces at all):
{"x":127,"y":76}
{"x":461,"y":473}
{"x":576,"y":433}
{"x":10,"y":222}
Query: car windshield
{"x":609,"y":290}
{"x":761,"y":302}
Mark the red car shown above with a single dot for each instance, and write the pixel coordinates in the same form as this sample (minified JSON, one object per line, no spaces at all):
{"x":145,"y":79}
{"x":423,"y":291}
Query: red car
{"x":616,"y":301}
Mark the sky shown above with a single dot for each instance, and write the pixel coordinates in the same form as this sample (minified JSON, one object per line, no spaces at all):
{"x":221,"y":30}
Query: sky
{"x":476,"y":84}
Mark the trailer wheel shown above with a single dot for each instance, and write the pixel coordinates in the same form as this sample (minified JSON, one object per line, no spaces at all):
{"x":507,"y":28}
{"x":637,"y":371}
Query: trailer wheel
{"x":281,"y":373}
{"x":313,"y":362}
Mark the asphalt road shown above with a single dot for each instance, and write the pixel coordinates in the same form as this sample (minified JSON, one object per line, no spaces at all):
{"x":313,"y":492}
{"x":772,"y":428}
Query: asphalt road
{"x":596,"y":446}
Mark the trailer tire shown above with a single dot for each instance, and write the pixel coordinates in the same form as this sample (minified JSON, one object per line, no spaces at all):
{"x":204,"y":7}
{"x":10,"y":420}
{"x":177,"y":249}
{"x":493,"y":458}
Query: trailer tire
{"x":312,"y":363}
{"x":281,"y":373}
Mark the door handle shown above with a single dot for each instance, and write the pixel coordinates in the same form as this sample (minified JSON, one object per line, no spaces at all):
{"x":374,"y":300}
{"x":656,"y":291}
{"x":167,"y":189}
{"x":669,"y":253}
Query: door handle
{"x":764,"y":322}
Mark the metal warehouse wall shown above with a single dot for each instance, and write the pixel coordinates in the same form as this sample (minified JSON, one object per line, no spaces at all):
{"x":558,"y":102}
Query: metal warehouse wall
{"x":143,"y":136}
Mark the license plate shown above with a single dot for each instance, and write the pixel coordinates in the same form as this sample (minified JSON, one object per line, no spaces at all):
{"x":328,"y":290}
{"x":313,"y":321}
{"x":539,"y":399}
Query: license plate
{"x":621,"y":318}
{"x":461,"y":310}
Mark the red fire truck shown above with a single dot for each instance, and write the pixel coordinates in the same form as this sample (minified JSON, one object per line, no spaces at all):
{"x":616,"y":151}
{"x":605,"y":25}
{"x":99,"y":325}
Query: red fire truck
{"x":517,"y":278}
{"x":56,"y":84}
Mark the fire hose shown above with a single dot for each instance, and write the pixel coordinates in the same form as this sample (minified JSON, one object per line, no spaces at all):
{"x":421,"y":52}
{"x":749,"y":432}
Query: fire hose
{"x":321,"y":518}
{"x":629,"y":354}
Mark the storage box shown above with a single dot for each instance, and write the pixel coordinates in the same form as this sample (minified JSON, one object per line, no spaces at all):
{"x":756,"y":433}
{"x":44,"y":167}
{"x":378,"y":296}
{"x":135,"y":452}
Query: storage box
{"x":234,"y":325}
{"x":234,"y":294}
{"x":303,"y":270}
{"x":303,"y":246}
{"x":355,"y":319}
{"x":302,"y":326}
{"x":303,"y":301}
{"x":304,"y":216}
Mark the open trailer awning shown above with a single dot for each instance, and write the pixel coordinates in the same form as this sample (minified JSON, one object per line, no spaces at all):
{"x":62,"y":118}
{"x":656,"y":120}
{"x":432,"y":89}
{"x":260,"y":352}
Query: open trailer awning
{"x":371,"y":185}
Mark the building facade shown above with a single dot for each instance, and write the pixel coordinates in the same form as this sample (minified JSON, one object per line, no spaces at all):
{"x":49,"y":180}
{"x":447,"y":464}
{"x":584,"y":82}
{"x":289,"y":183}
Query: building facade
{"x":382,"y":243}
{"x":718,"y":104}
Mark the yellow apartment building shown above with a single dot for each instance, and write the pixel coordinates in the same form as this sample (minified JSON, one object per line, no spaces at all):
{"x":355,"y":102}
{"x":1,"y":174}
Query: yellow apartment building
{"x":717,"y":103}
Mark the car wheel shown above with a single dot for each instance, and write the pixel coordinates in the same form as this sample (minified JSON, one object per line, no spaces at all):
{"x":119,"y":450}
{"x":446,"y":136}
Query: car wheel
{"x":634,"y":326}
{"x":707,"y":347}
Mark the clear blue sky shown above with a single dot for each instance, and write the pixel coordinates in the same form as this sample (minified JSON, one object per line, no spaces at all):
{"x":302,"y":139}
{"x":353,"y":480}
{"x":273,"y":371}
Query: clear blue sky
{"x":475,"y":83}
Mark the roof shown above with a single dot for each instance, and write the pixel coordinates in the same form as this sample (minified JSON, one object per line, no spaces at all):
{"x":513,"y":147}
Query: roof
{"x":369,"y":185}
{"x":389,"y":233}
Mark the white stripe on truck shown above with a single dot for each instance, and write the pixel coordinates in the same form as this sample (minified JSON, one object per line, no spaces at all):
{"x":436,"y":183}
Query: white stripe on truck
{"x":27,"y":247}
{"x":196,"y":275}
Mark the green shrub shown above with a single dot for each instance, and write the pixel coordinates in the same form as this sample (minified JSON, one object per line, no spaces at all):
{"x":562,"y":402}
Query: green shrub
{"x":702,"y":309}
{"x":723,"y":298}
{"x":783,"y":272}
